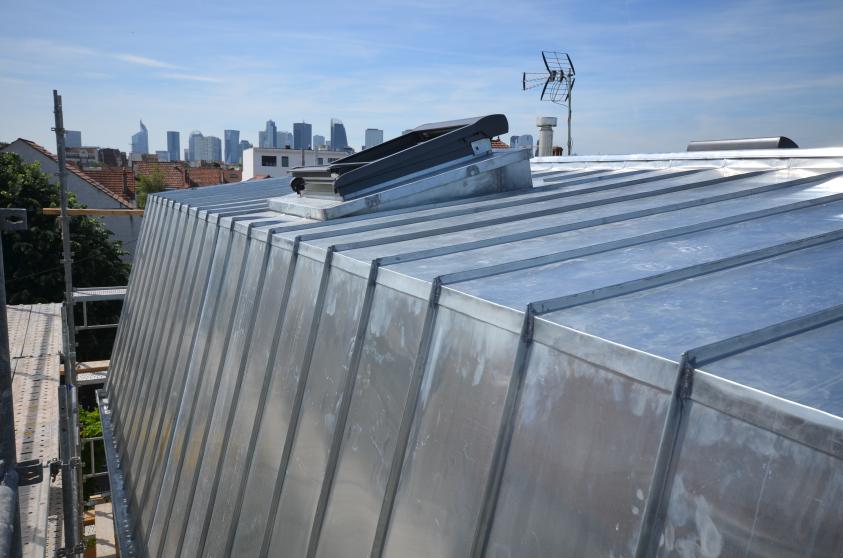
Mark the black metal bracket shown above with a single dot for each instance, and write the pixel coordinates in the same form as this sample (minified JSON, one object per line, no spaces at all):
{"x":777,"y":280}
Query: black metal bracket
{"x":30,"y":472}
{"x":55,"y":468}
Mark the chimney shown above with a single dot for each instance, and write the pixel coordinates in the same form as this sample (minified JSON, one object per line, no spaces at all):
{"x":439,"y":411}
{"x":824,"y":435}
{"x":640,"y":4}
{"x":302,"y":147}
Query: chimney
{"x":546,"y":125}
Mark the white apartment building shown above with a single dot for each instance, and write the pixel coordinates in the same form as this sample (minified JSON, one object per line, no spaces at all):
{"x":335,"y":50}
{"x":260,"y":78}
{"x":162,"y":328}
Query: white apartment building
{"x":270,"y":161}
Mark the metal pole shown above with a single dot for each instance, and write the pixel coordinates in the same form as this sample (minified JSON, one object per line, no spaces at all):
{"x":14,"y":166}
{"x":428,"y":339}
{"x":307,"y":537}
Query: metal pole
{"x":74,"y":538}
{"x":570,"y":141}
{"x":9,"y":503}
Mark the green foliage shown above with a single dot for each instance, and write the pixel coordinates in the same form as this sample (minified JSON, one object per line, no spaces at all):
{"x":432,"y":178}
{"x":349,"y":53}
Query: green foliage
{"x":32,"y":258}
{"x":89,"y":422}
{"x":148,"y":184}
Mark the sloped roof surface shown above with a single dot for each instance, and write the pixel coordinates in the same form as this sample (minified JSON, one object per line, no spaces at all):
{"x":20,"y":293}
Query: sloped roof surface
{"x":73,"y":169}
{"x":113,"y":179}
{"x":616,"y":359}
{"x":173,"y":172}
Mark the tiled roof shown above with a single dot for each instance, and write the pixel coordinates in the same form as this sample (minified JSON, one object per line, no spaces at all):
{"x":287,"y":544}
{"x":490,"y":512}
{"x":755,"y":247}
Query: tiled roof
{"x":178,"y":175}
{"x":73,"y":169}
{"x":174,"y":176}
{"x":113,"y":179}
{"x":498,"y":144}
{"x":205,"y":176}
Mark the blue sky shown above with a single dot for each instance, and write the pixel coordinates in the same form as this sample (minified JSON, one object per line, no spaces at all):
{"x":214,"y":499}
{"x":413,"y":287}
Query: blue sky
{"x":650,"y":75}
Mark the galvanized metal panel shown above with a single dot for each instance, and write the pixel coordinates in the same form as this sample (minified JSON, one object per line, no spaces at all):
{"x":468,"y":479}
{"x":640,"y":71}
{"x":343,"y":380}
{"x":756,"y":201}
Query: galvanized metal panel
{"x":579,"y":466}
{"x":193,"y":383}
{"x":254,"y":389}
{"x":586,"y":273}
{"x":173,"y":323}
{"x":148,"y":376}
{"x":228,"y":386}
{"x":260,"y":491}
{"x":326,"y":381}
{"x":816,"y":353}
{"x":453,"y":438}
{"x":176,"y":363}
{"x":369,"y":441}
{"x":208,"y":374}
{"x":738,"y":490}
{"x":756,"y":295}
{"x":540,"y":245}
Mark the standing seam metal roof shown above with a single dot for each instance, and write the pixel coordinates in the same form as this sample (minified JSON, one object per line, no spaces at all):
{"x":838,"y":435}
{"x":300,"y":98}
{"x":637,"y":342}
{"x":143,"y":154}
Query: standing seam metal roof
{"x":716,"y":263}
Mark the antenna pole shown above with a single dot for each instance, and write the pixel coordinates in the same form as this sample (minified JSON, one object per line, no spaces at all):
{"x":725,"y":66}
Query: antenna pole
{"x":570,"y":141}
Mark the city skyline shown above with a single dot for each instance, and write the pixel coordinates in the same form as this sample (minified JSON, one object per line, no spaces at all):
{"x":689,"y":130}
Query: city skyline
{"x":643,"y":81}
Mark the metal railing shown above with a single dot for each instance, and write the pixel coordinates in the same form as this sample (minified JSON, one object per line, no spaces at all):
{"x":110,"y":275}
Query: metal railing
{"x":92,"y":464}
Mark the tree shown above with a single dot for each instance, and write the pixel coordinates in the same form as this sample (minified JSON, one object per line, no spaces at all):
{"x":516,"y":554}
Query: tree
{"x":32,"y":258}
{"x":149,"y":184}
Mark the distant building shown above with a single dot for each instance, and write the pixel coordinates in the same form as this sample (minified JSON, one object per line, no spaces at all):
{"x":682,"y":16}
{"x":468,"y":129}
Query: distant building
{"x":232,"y":146}
{"x":283,"y":139}
{"x":319,"y":141}
{"x":72,"y":138}
{"x":523,"y":141}
{"x":513,"y":141}
{"x":244,"y":145}
{"x":111,"y":157}
{"x":163,"y":156}
{"x":302,"y":134}
{"x":140,"y":140}
{"x":82,"y":157}
{"x":87,"y":190}
{"x":338,"y":138}
{"x":373,"y":137}
{"x":186,"y":154}
{"x":204,"y":148}
{"x":262,"y":139}
{"x":173,"y":144}
{"x":265,"y":162}
{"x":269,"y":138}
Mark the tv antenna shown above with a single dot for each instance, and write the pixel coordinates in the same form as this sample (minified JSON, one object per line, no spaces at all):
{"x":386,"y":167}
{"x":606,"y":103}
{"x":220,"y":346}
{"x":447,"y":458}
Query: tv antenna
{"x":556,"y":84}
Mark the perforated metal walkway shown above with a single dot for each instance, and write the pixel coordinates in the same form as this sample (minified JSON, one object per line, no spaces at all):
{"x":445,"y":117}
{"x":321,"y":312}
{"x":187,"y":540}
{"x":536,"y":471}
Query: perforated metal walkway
{"x":34,"y":345}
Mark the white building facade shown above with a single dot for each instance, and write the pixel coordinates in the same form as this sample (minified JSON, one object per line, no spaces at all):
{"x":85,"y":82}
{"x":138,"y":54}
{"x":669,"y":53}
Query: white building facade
{"x":267,"y":161}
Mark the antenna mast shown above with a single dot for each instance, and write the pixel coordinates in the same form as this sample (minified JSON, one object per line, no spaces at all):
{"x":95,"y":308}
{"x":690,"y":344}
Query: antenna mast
{"x":557,"y":83}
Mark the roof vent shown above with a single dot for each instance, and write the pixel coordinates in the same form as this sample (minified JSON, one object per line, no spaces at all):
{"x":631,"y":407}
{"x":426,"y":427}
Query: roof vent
{"x":432,"y":163}
{"x":776,"y":142}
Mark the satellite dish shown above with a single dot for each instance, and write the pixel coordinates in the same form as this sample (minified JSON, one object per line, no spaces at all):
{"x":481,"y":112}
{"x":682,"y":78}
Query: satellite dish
{"x":556,"y":83}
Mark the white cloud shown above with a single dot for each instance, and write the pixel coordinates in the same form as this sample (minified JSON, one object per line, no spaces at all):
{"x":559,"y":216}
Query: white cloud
{"x":144,"y":61}
{"x":190,"y":77}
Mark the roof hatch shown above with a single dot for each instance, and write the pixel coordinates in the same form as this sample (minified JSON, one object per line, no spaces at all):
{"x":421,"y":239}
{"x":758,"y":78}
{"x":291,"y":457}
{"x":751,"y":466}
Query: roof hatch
{"x":434,"y":162}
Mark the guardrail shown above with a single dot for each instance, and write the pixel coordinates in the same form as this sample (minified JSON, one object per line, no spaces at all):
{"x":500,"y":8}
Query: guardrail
{"x":93,"y":473}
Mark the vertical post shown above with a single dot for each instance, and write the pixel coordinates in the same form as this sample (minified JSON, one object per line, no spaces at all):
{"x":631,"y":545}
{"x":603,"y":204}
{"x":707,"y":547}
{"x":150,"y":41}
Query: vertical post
{"x":570,"y":141}
{"x":9,"y":503}
{"x":72,"y":539}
